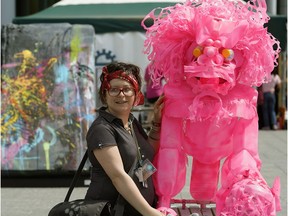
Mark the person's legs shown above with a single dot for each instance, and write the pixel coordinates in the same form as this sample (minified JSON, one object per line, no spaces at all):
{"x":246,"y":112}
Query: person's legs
{"x":269,"y":115}
{"x":272,"y":111}
{"x":265,"y":111}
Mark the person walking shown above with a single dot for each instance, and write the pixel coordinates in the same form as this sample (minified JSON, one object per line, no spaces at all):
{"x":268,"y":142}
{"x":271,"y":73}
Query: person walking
{"x":269,"y":114}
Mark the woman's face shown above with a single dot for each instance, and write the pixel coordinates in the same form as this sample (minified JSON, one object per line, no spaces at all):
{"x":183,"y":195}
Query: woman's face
{"x":122,"y":102}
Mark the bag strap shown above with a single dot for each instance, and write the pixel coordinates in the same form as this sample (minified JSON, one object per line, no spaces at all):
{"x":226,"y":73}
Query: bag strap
{"x":76,"y":176}
{"x":119,"y":207}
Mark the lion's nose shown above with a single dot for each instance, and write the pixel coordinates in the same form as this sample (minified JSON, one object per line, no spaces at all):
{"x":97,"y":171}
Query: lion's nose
{"x":210,"y":51}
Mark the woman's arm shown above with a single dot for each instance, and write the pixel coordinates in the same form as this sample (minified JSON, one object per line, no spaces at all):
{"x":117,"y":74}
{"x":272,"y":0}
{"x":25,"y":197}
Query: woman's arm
{"x":110,"y":160}
{"x":154,"y":133}
{"x":154,"y":136}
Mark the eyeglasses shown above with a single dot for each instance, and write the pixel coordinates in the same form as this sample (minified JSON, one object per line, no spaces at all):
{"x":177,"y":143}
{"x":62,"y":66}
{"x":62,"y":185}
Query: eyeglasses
{"x":113,"y":91}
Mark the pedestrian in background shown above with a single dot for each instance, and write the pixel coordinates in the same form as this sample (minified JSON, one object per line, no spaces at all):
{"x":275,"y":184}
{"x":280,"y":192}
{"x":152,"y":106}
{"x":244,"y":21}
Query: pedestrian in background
{"x":268,"y":107}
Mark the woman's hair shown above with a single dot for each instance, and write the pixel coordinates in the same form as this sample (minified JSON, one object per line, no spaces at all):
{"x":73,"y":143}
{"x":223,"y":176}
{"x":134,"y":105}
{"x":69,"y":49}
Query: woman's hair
{"x":128,"y":69}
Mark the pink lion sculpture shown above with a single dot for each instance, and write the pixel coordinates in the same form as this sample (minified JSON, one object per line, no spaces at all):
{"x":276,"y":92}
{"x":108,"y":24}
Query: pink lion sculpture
{"x":212,"y":53}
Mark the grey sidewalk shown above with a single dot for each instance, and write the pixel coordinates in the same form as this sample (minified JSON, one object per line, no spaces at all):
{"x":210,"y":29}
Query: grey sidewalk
{"x":38,"y":201}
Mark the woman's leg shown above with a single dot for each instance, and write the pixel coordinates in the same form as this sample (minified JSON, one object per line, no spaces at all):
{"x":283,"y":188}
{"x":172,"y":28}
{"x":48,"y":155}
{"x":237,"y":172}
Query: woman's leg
{"x":273,"y":113}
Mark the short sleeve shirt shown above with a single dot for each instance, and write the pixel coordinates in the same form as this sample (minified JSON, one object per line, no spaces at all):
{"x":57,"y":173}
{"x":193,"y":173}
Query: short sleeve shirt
{"x":270,"y":86}
{"x":107,"y":130}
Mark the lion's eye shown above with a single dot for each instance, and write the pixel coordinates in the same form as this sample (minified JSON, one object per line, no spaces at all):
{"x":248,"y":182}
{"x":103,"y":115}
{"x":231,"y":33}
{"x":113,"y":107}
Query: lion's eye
{"x":228,"y":54}
{"x":198,"y":51}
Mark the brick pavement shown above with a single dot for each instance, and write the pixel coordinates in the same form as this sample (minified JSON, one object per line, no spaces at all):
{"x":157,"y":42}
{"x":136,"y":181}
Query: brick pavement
{"x":38,"y":201}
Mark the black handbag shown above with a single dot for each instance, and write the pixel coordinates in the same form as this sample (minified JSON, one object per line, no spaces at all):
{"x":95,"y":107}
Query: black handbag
{"x":81,"y":207}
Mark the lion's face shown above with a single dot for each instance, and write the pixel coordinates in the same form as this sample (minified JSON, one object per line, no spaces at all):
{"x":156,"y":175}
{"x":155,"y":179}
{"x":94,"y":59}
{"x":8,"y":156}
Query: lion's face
{"x":212,"y":59}
{"x":211,"y":45}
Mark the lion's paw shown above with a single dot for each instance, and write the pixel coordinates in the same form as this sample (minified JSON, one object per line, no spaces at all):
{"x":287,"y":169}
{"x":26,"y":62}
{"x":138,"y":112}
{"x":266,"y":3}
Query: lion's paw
{"x":249,"y":197}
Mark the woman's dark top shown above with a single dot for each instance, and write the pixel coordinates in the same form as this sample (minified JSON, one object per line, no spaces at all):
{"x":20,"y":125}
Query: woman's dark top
{"x":107,"y":130}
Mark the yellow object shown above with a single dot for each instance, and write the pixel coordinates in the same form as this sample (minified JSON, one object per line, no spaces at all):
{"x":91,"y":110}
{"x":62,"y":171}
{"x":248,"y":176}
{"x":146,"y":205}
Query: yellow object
{"x":46,"y":147}
{"x":226,"y":53}
{"x":197,"y":51}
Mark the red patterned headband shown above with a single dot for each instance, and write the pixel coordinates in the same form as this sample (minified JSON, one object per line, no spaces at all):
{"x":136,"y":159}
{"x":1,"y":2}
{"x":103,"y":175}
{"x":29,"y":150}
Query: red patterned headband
{"x":107,"y":77}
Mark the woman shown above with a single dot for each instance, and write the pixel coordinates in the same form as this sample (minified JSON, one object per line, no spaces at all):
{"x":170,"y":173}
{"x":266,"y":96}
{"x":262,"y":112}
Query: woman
{"x":112,"y":149}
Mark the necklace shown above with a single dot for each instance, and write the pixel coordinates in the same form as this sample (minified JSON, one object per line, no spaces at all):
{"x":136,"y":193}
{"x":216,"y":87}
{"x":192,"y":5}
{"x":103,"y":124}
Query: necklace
{"x":128,"y":128}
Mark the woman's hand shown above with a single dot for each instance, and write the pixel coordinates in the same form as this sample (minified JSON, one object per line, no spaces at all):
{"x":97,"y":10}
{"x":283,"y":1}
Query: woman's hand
{"x":156,"y":212}
{"x":158,"y":106}
{"x":167,"y":211}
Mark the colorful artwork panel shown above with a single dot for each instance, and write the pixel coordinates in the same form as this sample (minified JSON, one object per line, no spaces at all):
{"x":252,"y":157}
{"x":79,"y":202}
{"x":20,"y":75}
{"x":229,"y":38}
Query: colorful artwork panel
{"x":48,"y":95}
